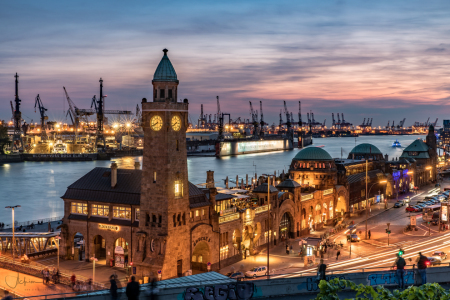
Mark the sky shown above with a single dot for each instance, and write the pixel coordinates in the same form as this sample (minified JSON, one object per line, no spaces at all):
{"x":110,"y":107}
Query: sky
{"x":387,"y":60}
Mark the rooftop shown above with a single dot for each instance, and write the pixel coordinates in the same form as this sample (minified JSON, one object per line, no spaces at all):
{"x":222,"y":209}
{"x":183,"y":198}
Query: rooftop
{"x":313,"y":154}
{"x":365,"y":148}
{"x":165,"y":71}
{"x":288,"y":183}
{"x":263,"y":188}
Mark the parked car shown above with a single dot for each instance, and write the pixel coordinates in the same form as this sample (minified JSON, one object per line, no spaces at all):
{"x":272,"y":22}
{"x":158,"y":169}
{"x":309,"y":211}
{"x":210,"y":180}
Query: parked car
{"x":237,"y":275}
{"x":434,"y":260}
{"x":398,"y":204}
{"x":351,"y":229}
{"x":256,"y":271}
{"x":410,"y":208}
{"x":441,"y":254}
{"x":418,"y":208}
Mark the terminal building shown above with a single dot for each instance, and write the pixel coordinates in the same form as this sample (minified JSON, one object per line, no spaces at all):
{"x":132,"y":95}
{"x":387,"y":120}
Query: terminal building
{"x":156,"y":224}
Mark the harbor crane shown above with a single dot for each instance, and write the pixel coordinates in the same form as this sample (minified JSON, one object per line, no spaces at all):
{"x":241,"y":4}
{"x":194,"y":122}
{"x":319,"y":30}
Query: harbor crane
{"x":71,"y":112}
{"x":261,"y":131}
{"x":435,"y":122}
{"x":220,"y":116}
{"x":333,"y":121}
{"x":281,"y":119}
{"x":288,"y":117}
{"x":17,"y":117}
{"x":254,"y":114}
{"x":300,"y":123}
{"x":42,"y":111}
{"x":138,"y":116}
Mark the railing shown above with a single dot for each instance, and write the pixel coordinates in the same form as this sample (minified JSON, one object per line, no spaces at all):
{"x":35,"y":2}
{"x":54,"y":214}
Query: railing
{"x":46,"y":220}
{"x":228,"y":211}
{"x":261,"y":209}
{"x":327,"y":192}
{"x":307,"y":197}
{"x":229,"y":218}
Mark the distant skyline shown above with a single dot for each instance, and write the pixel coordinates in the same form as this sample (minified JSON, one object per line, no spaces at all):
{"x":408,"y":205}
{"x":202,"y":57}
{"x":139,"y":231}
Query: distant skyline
{"x":385,"y":60}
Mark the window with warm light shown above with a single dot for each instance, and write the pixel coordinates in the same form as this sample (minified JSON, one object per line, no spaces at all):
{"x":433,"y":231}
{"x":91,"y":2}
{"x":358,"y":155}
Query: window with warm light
{"x":178,"y":189}
{"x":196,"y":213}
{"x":100,"y":210}
{"x":137,"y":214}
{"x":79,"y":208}
{"x":122,"y":212}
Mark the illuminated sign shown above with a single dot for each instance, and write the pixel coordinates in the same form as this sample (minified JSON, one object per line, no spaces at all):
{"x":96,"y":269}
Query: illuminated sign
{"x":109,"y":227}
{"x":260,"y":146}
{"x":444,"y":214}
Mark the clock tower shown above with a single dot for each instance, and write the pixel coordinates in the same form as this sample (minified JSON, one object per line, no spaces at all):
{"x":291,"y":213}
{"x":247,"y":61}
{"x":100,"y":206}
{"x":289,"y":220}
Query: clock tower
{"x":163,"y":237}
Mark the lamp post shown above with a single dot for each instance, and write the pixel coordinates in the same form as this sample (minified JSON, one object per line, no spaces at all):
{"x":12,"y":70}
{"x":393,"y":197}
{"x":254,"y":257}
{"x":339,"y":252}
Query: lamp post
{"x":59,"y":239}
{"x":268,"y":222}
{"x":367,"y":200}
{"x":13,"y":228}
{"x":93,"y":270}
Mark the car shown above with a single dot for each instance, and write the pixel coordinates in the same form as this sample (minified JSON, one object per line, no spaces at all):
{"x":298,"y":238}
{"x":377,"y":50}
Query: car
{"x":407,"y":199}
{"x":256,"y":271}
{"x":410,"y":208}
{"x":398,"y":204}
{"x":434,"y":260}
{"x":418,"y":208}
{"x":441,"y":254}
{"x":354,"y":238}
{"x":237,"y":275}
{"x":351,"y":229}
{"x":422,"y":201}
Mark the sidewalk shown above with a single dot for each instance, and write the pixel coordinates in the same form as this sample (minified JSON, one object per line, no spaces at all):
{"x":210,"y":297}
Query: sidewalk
{"x":26,"y":285}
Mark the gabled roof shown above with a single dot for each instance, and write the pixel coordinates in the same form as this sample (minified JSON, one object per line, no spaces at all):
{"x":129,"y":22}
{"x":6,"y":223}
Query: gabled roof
{"x":418,"y":145}
{"x":288,"y":183}
{"x":165,"y":71}
{"x":313,"y":154}
{"x":263,"y":188}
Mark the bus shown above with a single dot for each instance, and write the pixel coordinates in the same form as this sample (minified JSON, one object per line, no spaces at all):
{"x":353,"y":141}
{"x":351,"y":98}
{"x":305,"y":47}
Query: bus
{"x":429,"y":210}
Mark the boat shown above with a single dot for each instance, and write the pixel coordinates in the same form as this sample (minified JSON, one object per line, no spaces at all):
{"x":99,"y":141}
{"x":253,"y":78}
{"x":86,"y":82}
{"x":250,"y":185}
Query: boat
{"x":396,"y":144}
{"x":60,"y":147}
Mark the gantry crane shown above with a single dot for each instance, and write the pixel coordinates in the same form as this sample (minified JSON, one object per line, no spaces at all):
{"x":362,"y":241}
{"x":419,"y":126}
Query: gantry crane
{"x":261,"y":131}
{"x":42,"y":111}
{"x":17,"y":116}
{"x":300,"y":123}
{"x":254,"y":114}
{"x":288,"y":118}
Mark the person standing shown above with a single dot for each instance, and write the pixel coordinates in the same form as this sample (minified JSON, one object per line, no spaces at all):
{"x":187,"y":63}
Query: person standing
{"x":400,"y":263}
{"x":369,"y":234}
{"x":337,"y":254}
{"x":422,"y":262}
{"x":321,"y":270}
{"x":113,"y":288}
{"x":287,"y":248}
{"x":132,"y":290}
{"x":73,"y":280}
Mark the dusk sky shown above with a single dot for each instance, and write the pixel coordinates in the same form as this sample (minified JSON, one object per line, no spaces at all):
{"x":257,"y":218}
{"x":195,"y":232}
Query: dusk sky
{"x":381,"y":59}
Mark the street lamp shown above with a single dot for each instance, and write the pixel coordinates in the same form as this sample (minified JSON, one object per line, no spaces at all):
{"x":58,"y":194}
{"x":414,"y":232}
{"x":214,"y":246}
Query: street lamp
{"x":367,"y":200}
{"x":13,"y":228}
{"x":93,"y":271}
{"x":268,"y":221}
{"x":59,"y":239}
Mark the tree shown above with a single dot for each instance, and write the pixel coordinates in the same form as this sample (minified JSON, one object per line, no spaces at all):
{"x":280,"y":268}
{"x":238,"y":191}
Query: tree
{"x":329,"y":291}
{"x":4,"y":138}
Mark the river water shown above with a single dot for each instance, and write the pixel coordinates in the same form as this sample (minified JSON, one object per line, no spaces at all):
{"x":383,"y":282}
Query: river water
{"x":38,"y":186}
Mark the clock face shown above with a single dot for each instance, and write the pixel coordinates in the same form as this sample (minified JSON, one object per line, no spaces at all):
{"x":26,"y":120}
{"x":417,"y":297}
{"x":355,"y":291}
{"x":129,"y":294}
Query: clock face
{"x":176,"y":123}
{"x":156,"y":123}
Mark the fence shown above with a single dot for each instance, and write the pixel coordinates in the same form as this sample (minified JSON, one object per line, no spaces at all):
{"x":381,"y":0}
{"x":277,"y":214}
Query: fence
{"x":46,"y":220}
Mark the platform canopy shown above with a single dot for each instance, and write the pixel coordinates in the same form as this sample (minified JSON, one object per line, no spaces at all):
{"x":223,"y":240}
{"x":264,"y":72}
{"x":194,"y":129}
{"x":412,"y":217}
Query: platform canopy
{"x":30,"y":234}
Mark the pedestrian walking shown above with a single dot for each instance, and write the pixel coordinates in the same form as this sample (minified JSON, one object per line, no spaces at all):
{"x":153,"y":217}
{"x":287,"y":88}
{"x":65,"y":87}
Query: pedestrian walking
{"x":400,"y":263}
{"x":113,"y":287}
{"x":321,"y":271}
{"x":369,"y":234}
{"x":7,"y":296}
{"x":73,"y":279}
{"x":132,"y":290}
{"x":287,"y":248}
{"x":422,"y":263}
{"x":337,"y":254}
{"x":89,"y":283}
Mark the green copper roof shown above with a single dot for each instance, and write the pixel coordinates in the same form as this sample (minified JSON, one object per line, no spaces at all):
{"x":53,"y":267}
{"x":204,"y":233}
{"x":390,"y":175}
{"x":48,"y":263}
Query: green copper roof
{"x":313,"y":153}
{"x":418,"y":145}
{"x":366,"y":149}
{"x":405,"y":154}
{"x":165,"y":70}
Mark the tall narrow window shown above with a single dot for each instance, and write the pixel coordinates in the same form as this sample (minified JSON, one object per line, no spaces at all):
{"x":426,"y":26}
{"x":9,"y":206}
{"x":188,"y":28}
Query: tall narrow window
{"x":154,"y":177}
{"x":174,"y":221}
{"x":184,"y":219}
{"x":178,"y":189}
{"x":162,"y":93}
{"x":160,"y":219}
{"x":170,"y":93}
{"x":177,"y":146}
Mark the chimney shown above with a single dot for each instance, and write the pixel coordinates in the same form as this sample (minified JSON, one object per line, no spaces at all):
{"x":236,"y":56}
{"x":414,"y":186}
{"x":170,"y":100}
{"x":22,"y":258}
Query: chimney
{"x":386,"y":157}
{"x":137,"y":165}
{"x":209,"y":179}
{"x":113,"y":174}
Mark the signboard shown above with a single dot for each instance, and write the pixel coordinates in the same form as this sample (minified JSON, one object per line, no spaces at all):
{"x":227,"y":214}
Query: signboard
{"x":109,"y":227}
{"x":119,"y":250}
{"x":444,"y":213}
{"x":413,"y":221}
{"x":119,"y":257}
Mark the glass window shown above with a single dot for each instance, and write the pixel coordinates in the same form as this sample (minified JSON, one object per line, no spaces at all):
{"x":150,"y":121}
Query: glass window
{"x":100,"y":210}
{"x":196,"y":213}
{"x":79,"y":208}
{"x":137,"y":214}
{"x":178,"y":189}
{"x":122,"y":212}
{"x":203,"y":211}
{"x":162,"y":93}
